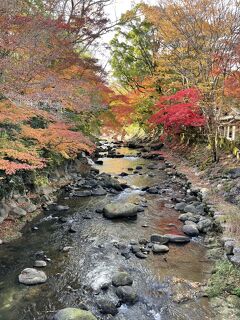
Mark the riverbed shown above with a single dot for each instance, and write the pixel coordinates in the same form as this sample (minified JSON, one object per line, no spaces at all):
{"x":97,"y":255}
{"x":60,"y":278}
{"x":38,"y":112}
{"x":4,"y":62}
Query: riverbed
{"x":167,"y":284}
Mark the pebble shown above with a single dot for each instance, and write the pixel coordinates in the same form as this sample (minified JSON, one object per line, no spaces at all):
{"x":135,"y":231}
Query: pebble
{"x":40,"y":264}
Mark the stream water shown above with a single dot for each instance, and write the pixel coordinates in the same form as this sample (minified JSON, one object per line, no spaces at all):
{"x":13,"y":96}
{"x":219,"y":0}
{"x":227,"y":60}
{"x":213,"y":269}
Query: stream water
{"x":74,"y":278}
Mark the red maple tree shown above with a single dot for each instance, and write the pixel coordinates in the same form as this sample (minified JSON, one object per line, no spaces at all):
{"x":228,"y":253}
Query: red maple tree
{"x":178,"y":111}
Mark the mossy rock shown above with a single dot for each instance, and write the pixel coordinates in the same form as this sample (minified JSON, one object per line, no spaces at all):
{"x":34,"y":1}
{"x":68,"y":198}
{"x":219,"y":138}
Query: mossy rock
{"x":74,"y":314}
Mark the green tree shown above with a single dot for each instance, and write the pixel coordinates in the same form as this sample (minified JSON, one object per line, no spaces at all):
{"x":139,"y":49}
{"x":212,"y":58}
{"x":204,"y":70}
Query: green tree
{"x":134,"y":47}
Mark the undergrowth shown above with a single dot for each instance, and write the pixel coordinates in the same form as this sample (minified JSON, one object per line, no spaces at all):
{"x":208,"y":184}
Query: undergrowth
{"x":225,"y":279}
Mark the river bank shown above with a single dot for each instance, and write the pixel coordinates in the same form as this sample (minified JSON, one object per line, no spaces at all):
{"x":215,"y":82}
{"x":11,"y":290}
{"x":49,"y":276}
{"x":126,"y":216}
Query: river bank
{"x":26,"y":198}
{"x":84,"y":247}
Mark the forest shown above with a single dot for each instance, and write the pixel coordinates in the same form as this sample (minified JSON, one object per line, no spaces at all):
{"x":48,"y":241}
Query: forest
{"x":125,"y":163}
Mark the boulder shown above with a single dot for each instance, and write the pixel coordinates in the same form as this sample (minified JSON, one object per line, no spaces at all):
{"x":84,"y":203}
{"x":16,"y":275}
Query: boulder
{"x":109,"y":182}
{"x":19,"y":212}
{"x":157,"y":248}
{"x":107,"y":307}
{"x":190,"y":230}
{"x":127,"y":295}
{"x":158,"y":238}
{"x":185,"y":216}
{"x":122,"y":279}
{"x":201,"y":208}
{"x":180,"y":206}
{"x":191,"y":208}
{"x":74,"y":314}
{"x":205,"y":225}
{"x":30,"y":276}
{"x":120,"y":210}
{"x":174,"y":238}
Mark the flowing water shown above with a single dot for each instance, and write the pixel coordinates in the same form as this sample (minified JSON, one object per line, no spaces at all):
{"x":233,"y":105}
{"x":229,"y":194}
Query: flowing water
{"x":75,"y":277}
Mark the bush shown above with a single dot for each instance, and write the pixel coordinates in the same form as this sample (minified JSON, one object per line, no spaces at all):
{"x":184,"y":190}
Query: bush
{"x":225,"y":279}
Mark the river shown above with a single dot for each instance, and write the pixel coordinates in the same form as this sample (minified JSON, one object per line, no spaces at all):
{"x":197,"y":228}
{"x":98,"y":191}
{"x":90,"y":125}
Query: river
{"x":74,"y":277}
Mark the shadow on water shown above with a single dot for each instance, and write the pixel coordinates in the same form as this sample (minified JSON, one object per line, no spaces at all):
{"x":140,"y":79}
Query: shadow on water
{"x":75,"y":277}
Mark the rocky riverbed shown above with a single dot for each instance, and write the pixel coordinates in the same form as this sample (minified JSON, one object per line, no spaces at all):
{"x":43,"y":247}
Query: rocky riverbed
{"x":128,"y":240}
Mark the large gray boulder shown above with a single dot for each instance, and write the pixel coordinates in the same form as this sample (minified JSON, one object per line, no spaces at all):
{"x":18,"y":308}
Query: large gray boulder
{"x":73,"y":314}
{"x":31,"y":276}
{"x":190,"y":230}
{"x":120,"y":210}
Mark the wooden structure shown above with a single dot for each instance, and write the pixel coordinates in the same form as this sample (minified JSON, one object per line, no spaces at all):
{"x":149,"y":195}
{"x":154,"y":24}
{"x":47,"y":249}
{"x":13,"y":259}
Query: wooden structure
{"x":230,"y":126}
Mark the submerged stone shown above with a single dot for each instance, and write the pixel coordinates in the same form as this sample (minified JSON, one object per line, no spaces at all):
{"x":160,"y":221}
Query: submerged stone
{"x":122,"y":279}
{"x":74,"y":314}
{"x":107,"y":307}
{"x":127,"y":295}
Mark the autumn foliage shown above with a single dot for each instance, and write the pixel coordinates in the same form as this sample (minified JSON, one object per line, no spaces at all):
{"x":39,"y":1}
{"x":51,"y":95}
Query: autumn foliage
{"x":46,"y":76}
{"x":179,"y":110}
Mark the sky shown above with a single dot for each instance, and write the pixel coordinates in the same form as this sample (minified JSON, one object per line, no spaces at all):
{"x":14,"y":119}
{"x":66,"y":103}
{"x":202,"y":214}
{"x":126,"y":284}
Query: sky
{"x":114,"y":11}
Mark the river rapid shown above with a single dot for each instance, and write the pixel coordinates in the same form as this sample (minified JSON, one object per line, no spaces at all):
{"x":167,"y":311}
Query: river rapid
{"x":169,"y":285}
